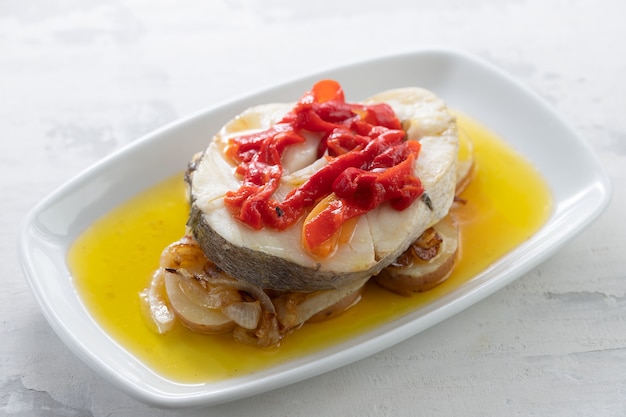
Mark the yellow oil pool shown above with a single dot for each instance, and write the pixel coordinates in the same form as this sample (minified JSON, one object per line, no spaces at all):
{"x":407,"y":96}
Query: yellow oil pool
{"x":115,"y":258}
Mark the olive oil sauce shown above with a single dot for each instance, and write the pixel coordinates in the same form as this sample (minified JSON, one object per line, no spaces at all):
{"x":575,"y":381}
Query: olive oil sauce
{"x":115,"y":258}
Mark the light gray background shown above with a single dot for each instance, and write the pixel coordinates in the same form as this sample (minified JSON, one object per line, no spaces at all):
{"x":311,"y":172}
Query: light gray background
{"x":82,"y":78}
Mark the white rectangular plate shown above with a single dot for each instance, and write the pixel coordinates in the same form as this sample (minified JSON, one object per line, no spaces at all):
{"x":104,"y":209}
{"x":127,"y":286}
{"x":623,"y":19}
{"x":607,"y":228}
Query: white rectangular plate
{"x":580,"y":188}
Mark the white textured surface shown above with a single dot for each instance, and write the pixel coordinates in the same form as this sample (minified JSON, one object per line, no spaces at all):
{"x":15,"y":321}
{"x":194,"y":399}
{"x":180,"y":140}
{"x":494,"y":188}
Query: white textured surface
{"x":81,"y":78}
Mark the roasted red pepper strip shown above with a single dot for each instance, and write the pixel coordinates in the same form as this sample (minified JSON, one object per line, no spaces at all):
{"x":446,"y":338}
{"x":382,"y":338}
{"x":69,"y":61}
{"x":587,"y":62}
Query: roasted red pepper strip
{"x":323,"y":226}
{"x":370,"y":163}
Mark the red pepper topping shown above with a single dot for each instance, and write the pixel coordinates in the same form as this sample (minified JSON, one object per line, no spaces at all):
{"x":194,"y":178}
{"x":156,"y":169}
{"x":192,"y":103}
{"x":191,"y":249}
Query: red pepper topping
{"x":370,"y":163}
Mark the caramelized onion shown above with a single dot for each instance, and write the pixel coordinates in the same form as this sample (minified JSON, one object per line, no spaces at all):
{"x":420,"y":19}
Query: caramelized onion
{"x":216,"y":277}
{"x":293,"y":309}
{"x":266,"y":335}
{"x":154,"y":305}
{"x":245,"y":313}
{"x":184,"y":253}
{"x":215,"y":296}
{"x":191,"y":314}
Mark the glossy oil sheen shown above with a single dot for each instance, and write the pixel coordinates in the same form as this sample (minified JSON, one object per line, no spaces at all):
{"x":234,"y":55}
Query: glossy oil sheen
{"x":505,"y":204}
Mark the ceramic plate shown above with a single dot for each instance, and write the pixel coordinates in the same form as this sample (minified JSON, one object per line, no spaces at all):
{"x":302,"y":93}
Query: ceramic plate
{"x":580,"y":190}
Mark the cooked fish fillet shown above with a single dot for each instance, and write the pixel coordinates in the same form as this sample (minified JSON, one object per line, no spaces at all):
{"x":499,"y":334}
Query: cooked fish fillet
{"x":276,"y":259}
